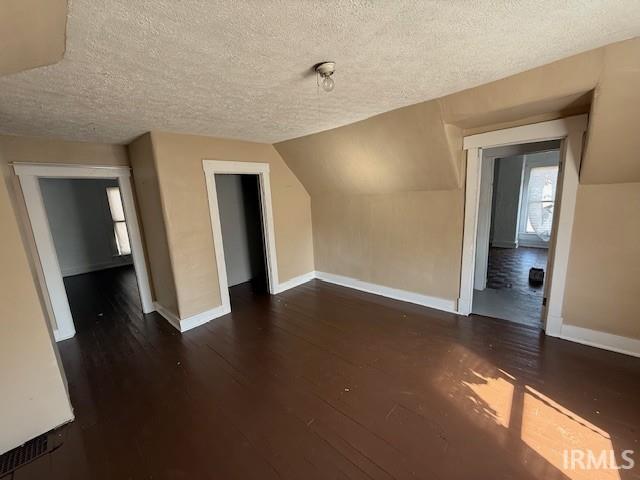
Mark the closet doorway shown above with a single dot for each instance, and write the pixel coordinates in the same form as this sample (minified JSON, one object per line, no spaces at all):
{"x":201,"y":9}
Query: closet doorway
{"x":249,"y":185}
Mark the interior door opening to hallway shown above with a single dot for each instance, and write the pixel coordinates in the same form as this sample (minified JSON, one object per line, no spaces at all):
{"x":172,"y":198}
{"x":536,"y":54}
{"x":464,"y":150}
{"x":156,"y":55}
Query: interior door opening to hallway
{"x":515,"y":228}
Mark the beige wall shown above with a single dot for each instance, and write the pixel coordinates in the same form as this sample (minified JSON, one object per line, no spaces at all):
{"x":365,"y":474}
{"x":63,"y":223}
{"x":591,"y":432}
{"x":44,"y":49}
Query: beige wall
{"x":603,"y":280}
{"x":32,"y":33}
{"x":34,"y":397}
{"x":151,"y":210}
{"x":182,"y":187}
{"x":612,"y":149}
{"x":388,"y":239}
{"x":415,"y":153}
{"x":45,"y":150}
{"x":404,"y":150}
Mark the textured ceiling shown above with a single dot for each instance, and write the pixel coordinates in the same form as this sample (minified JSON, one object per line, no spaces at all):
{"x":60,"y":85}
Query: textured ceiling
{"x":240,"y":69}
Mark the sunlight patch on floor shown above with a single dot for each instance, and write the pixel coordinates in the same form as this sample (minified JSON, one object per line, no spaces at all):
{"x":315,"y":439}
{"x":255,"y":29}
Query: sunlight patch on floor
{"x":497,"y":393}
{"x":528,"y":424}
{"x":550,"y":429}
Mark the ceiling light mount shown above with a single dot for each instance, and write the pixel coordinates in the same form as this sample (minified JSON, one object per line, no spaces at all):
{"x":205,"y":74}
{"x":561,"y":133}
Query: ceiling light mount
{"x":324,"y":71}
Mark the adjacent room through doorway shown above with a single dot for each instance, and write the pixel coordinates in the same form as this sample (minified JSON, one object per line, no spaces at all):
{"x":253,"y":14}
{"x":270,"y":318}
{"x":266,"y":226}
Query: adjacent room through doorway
{"x":89,"y":232}
{"x":515,"y":219}
{"x":242,"y":232}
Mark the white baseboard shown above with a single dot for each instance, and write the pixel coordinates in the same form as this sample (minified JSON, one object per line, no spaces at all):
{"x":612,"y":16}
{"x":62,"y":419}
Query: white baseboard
{"x":294,"y":282}
{"x":403,"y":295}
{"x":527,"y":243}
{"x":182,"y":325}
{"x":79,"y":270}
{"x":553,"y":325}
{"x":606,"y":341}
{"x":499,"y":244}
{"x":531,"y":240}
{"x":60,"y":335}
{"x":168,"y":315}
{"x":204,"y":317}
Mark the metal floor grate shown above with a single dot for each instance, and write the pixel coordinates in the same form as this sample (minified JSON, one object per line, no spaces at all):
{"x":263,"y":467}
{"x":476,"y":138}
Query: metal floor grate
{"x":23,"y":454}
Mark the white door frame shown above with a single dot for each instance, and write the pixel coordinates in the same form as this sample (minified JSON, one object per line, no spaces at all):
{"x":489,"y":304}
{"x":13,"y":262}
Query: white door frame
{"x":485,"y":203}
{"x":213,"y":167}
{"x":29,"y":175}
{"x":571,"y":131}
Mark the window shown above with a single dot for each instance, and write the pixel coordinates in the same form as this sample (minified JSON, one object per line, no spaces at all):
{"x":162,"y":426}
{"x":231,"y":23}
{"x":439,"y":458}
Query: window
{"x":541,"y":194}
{"x":121,"y":235}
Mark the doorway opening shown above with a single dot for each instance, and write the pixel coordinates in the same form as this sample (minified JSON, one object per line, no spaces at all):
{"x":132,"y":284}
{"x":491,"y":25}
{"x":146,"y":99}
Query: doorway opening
{"x":85,"y":229}
{"x":258,"y":181}
{"x":91,"y":239}
{"x":518,"y":189}
{"x":242,"y":232}
{"x":570,"y":131}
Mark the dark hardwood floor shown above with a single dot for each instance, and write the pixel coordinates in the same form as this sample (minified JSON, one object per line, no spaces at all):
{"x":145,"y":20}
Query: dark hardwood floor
{"x":509,"y":294}
{"x":508,"y":268}
{"x":324,"y":382}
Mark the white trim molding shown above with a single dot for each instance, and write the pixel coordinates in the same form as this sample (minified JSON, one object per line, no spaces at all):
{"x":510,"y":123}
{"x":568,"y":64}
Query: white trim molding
{"x":484,"y":224}
{"x":443,"y":304}
{"x":571,"y":131}
{"x":185,"y":324}
{"x":295,"y":282}
{"x":213,"y":167}
{"x":532,"y":133}
{"x":606,"y":341}
{"x":528,"y":240}
{"x":499,"y":244}
{"x":29,"y":175}
{"x":65,"y":170}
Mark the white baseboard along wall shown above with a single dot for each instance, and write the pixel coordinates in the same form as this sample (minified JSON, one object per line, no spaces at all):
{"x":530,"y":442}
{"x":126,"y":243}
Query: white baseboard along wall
{"x":185,"y":324}
{"x":606,"y":341}
{"x":397,"y":294}
{"x":594,"y":338}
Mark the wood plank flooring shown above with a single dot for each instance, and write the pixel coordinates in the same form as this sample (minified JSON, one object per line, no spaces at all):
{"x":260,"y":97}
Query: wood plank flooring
{"x":323,"y":382}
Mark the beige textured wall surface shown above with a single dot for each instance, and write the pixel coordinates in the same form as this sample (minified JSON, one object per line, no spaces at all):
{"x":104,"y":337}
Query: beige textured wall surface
{"x":418,"y":148}
{"x":32,"y":33}
{"x":34,"y":398}
{"x":612,"y":149}
{"x":151,"y":212}
{"x":186,"y":210}
{"x":45,"y":150}
{"x":407,"y":240}
{"x":551,"y":88}
{"x":406,"y":149}
{"x":603,"y":279}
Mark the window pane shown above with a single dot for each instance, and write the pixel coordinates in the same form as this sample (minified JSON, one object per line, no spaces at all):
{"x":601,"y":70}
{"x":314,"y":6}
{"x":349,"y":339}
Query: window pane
{"x":541,"y":197}
{"x":115,"y":204}
{"x":122,"y":238}
{"x":529,"y":226}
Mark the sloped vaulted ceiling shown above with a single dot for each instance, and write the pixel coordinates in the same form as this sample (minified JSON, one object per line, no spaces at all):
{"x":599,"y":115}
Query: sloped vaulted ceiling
{"x":420,"y":147}
{"x":406,"y":149}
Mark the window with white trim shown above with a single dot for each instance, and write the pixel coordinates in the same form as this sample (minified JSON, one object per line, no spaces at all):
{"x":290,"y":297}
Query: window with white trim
{"x":540,"y":201}
{"x":123,"y":247}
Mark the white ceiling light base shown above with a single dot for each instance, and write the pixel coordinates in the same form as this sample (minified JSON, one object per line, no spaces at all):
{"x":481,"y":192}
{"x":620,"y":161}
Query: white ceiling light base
{"x":326,"y":68}
{"x":324,"y":71}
